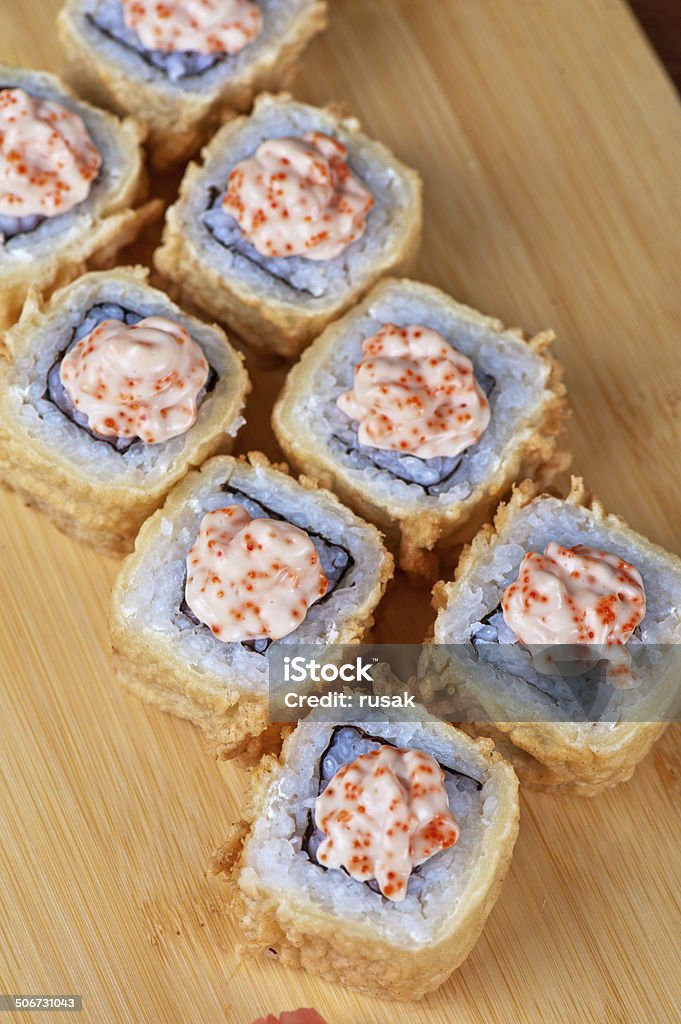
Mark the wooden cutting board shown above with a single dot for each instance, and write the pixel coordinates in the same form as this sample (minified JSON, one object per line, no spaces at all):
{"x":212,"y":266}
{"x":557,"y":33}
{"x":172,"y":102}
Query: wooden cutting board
{"x":549,"y":140}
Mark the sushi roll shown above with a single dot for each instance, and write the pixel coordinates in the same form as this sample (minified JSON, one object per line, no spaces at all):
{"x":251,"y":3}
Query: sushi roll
{"x":420,"y":413}
{"x":70,"y":176}
{"x":293,"y":215}
{"x":241,"y":558}
{"x":434,"y":816}
{"x":559,"y":638}
{"x":181,"y":67}
{"x":108,"y":396}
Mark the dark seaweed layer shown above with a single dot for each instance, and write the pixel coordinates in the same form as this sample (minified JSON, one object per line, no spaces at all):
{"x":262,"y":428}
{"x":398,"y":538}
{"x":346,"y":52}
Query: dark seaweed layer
{"x":335,"y":559}
{"x":433,"y":475}
{"x":11,"y":227}
{"x":586,"y":685}
{"x":226,"y":231}
{"x":176,"y":66}
{"x":329,"y":763}
{"x":57,"y":394}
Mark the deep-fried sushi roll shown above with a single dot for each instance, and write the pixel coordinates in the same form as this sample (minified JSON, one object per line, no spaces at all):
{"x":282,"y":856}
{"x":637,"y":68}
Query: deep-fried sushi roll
{"x":241,"y":558}
{"x":374,"y":853}
{"x":293,"y":215}
{"x":183,"y":67}
{"x":108,"y":396}
{"x":561,"y":627}
{"x":420,"y":413}
{"x":70,"y":176}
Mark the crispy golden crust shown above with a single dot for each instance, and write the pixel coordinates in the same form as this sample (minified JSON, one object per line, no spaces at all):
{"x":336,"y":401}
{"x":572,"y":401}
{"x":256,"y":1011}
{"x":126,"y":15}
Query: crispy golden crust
{"x":566,"y":757}
{"x":351,"y":952}
{"x":100,"y":513}
{"x":421,"y":537}
{"x":118,"y":220}
{"x":97,"y":249}
{"x":280,"y":327}
{"x":233,"y":718}
{"x":231,"y":724}
{"x":180,"y":121}
{"x":542,"y":764}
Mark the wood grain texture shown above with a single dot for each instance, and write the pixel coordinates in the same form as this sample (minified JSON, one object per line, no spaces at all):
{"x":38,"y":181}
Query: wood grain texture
{"x":550,"y":141}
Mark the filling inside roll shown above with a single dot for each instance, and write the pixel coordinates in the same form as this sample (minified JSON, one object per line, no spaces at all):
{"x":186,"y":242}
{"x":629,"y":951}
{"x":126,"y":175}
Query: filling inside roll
{"x":374,"y":839}
{"x":180,"y":38}
{"x":416,"y":407}
{"x":295,"y":202}
{"x":574,"y":609}
{"x":135,"y":414}
{"x":48,"y":161}
{"x":275,"y":580}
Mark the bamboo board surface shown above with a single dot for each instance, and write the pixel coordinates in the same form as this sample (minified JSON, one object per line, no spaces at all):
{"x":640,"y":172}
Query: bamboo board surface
{"x":549,"y":140}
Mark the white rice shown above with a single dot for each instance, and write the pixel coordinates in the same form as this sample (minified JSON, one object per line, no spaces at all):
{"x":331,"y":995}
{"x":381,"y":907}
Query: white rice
{"x":115,"y":168}
{"x":51,"y":430}
{"x":275,"y":859}
{"x":521,"y":378}
{"x":153,"y":600}
{"x":278,"y":18}
{"x":318,"y":281}
{"x":501,"y":678}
